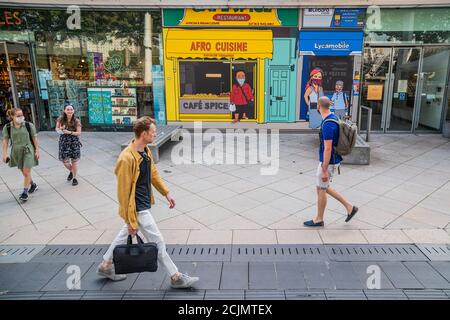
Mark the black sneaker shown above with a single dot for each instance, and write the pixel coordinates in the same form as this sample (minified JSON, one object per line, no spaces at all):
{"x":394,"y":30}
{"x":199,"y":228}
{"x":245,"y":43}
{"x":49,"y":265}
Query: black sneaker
{"x":74,"y":182}
{"x":33,"y":188}
{"x":70,"y":177}
{"x":24,"y":196}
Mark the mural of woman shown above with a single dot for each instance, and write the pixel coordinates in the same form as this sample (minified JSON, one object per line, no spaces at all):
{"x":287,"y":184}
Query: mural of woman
{"x":313,"y":89}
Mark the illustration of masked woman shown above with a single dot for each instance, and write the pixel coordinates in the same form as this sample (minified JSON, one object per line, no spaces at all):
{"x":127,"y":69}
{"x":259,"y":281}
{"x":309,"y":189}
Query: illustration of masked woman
{"x":313,"y":89}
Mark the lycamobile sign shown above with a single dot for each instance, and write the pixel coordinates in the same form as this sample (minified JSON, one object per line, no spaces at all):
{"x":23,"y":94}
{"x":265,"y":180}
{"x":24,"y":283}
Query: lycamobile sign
{"x":332,"y":46}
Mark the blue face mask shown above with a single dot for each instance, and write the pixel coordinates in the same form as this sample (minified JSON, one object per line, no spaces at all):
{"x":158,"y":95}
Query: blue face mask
{"x":241,"y":81}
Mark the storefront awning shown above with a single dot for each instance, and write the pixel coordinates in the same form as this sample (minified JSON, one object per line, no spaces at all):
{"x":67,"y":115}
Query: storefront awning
{"x":218,"y":44}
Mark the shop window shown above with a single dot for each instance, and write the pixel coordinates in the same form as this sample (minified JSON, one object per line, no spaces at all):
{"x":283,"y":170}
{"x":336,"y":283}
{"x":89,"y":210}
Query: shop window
{"x":409,"y":25}
{"x":101,"y":68}
{"x":204,"y":79}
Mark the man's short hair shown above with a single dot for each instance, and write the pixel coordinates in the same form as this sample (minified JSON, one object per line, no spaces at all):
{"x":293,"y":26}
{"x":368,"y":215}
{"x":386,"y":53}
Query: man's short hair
{"x":324,"y":102}
{"x":340,"y":83}
{"x":142,"y":124}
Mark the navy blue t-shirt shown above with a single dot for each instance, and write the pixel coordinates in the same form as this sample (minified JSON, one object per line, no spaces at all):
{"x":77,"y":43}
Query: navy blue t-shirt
{"x":330,"y":131}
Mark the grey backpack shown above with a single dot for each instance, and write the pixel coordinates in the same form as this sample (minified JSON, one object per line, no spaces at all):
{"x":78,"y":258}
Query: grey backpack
{"x":347,"y":136}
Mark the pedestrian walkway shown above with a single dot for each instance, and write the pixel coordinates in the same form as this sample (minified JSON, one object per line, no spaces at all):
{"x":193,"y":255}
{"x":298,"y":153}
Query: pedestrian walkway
{"x":402,"y":195}
{"x":251,"y":272}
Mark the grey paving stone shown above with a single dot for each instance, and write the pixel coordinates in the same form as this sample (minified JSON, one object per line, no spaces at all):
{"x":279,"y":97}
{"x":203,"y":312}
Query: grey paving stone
{"x":400,"y":276}
{"x":317,"y":275}
{"x":271,"y":253}
{"x":197,"y":253}
{"x":262,"y":275}
{"x":384,"y":252}
{"x":123,"y":285}
{"x":429,"y":277}
{"x":21,"y":296}
{"x":184,"y":295}
{"x":436,"y":252}
{"x":103,"y":295}
{"x":18,"y":253}
{"x":208,"y":272}
{"x":144,"y":295}
{"x":225,"y":295}
{"x":345,"y":295}
{"x":345,"y":277}
{"x":59,"y":281}
{"x":60,"y":295}
{"x":13,"y":274}
{"x":71,"y":253}
{"x":385,"y":295}
{"x":234,"y":275}
{"x":447,"y":292}
{"x":91,"y":281}
{"x":305,"y":295}
{"x":426,"y":295}
{"x":150,"y":280}
{"x":443,"y":267}
{"x":361,"y":269}
{"x":265,"y":295}
{"x":290,"y":275}
{"x":39,"y":277}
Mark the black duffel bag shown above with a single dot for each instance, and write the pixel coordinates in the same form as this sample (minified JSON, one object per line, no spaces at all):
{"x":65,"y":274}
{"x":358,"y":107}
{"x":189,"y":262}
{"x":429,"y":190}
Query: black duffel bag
{"x":131,"y":258}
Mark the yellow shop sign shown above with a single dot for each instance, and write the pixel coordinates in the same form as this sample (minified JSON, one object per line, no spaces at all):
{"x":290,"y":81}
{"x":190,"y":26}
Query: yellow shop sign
{"x":231,"y":17}
{"x":218,"y":43}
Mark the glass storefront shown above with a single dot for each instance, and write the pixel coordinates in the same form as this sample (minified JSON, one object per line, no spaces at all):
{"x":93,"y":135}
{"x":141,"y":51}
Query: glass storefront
{"x":405,"y":70}
{"x":104,"y":69}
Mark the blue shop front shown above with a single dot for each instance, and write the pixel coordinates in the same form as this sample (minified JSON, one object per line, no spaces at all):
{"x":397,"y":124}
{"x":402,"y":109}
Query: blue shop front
{"x":330,"y":49}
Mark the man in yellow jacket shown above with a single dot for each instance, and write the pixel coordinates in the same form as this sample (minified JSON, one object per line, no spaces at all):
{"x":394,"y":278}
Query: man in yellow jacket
{"x":136,"y":172}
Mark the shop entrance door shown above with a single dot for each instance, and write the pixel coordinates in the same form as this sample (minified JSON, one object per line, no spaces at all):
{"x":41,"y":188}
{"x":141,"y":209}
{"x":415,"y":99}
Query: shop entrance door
{"x":279,"y":88}
{"x":280,"y":82}
{"x":17,"y":81}
{"x":405,"y":87}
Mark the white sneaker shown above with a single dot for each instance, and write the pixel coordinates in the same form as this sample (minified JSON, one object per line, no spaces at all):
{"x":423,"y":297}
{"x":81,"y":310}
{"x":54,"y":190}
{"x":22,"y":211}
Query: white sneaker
{"x":184,"y":281}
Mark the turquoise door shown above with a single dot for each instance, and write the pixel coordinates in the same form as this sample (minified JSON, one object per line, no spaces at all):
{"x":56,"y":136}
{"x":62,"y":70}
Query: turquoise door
{"x":280,"y":82}
{"x":279,"y":95}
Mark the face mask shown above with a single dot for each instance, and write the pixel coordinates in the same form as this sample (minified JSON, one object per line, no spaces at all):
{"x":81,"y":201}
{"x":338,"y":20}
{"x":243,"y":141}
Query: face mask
{"x":317,"y":82}
{"x":20,"y":120}
{"x":241,"y":81}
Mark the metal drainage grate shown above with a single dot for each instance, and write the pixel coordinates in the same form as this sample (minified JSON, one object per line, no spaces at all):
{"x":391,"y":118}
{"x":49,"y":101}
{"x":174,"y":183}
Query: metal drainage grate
{"x":279,"y":253}
{"x":64,"y":253}
{"x":436,"y":252}
{"x":200,"y":252}
{"x":375,"y":253}
{"x":18,"y":254}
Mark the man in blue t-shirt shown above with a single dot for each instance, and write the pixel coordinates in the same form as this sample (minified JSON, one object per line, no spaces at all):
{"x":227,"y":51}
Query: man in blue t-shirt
{"x":329,"y":163}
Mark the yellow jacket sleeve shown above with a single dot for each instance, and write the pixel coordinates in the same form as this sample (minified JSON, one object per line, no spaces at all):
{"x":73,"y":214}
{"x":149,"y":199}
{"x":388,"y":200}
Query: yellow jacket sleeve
{"x":157,"y":181}
{"x":124,"y":176}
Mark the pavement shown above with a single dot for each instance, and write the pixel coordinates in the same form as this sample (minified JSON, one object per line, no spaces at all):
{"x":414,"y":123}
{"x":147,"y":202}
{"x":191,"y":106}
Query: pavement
{"x":402,"y":196}
{"x":240,"y":231}
{"x":236,"y":272}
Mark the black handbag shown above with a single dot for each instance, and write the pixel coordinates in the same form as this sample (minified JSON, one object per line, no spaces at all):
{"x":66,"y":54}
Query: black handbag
{"x":132,"y":258}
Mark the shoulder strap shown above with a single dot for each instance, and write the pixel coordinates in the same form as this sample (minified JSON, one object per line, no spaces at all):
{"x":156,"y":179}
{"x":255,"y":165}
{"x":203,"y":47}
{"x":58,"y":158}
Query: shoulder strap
{"x":243,"y":93}
{"x":27,"y":125}
{"x":8,"y":129}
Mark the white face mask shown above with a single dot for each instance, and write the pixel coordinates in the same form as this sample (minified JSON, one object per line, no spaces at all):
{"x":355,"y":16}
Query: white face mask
{"x":20,"y":120}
